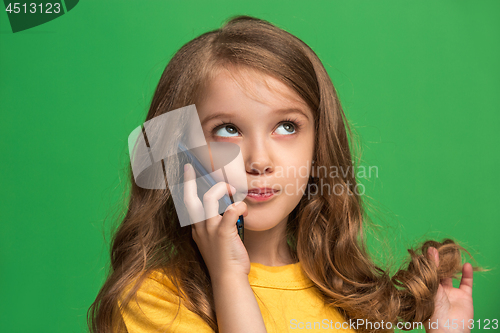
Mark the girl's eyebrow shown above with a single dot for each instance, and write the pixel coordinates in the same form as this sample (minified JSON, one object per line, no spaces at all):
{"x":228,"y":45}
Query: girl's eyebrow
{"x":232,"y":115}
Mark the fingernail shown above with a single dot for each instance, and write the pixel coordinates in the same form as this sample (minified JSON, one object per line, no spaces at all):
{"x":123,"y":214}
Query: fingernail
{"x":185,"y":167}
{"x":233,"y":189}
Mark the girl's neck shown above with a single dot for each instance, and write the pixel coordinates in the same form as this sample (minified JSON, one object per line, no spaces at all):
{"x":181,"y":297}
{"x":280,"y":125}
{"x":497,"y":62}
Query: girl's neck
{"x":269,"y":247}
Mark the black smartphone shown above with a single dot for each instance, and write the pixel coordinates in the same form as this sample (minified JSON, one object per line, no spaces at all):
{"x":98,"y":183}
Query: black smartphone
{"x":201,"y":173}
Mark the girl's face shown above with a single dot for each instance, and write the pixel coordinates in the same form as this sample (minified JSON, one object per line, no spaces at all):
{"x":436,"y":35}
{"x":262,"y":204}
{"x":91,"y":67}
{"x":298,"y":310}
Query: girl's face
{"x":274,"y":129}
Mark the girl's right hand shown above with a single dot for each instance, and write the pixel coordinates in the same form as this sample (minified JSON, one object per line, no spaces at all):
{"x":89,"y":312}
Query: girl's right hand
{"x":216,"y":237}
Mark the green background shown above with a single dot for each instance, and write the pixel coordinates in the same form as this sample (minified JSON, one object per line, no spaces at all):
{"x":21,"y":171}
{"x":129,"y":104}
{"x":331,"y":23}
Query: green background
{"x":419,"y":81}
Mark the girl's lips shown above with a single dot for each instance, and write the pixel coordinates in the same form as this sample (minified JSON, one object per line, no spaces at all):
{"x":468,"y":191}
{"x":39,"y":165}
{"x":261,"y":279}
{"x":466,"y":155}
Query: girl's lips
{"x":261,"y":190}
{"x":259,"y":195}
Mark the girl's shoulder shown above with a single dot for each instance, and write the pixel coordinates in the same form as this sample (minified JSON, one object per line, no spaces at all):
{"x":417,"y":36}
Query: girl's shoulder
{"x":158,"y":305}
{"x":158,"y":281}
{"x":160,"y":276}
{"x":155,"y":284}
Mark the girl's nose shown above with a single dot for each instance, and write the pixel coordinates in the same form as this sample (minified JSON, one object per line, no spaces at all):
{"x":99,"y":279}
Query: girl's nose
{"x":259,"y":160}
{"x":257,"y":168}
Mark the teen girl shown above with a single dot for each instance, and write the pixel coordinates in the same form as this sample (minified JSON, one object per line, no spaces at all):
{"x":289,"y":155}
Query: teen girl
{"x":303,"y":263}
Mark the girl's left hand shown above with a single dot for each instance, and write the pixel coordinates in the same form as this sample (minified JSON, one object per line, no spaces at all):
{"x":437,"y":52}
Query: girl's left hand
{"x":453,"y":310}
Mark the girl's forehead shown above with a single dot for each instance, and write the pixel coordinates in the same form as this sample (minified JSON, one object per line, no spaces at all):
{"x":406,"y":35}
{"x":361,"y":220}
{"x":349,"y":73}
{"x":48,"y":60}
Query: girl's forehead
{"x":255,"y":84}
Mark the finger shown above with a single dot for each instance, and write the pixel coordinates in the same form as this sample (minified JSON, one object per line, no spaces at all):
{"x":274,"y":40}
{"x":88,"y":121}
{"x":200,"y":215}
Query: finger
{"x":434,"y":255}
{"x":232,"y":214}
{"x":467,"y":278}
{"x":447,"y":282}
{"x":211,"y":202}
{"x":193,"y":232}
{"x":191,"y":200}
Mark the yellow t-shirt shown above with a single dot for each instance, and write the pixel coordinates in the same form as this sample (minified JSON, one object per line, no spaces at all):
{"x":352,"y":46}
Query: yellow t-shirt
{"x":287,"y":299}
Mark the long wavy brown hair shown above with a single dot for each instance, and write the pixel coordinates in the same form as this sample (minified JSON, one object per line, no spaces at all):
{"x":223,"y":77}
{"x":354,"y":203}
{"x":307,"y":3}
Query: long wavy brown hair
{"x":324,"y":232}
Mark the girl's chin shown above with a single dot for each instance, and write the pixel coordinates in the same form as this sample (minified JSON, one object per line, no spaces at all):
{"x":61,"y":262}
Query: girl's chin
{"x":257,"y":222}
{"x":258,"y":228}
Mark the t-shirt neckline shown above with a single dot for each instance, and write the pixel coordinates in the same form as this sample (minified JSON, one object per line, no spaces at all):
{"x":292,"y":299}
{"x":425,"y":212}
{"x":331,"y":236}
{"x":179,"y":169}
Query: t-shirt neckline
{"x":288,"y":276}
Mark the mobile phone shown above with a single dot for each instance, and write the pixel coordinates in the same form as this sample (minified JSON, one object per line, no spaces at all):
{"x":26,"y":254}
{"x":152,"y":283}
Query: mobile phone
{"x":204,"y":176}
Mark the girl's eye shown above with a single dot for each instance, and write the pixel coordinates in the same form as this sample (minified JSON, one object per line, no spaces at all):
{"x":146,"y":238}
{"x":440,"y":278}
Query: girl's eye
{"x":226,"y":129}
{"x":288,"y":128}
